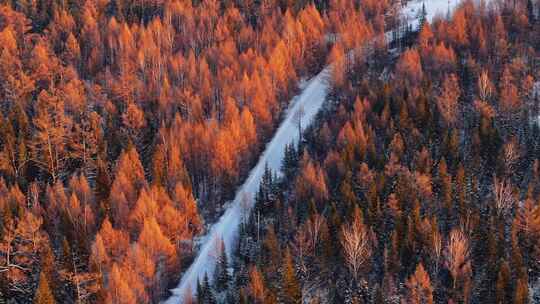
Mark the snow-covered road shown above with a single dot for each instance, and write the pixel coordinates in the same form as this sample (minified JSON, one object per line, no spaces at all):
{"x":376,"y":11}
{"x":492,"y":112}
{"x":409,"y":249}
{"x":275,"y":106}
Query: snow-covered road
{"x":310,"y":102}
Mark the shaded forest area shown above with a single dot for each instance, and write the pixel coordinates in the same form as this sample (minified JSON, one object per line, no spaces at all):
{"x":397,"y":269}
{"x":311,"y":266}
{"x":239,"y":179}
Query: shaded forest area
{"x":418,"y":184}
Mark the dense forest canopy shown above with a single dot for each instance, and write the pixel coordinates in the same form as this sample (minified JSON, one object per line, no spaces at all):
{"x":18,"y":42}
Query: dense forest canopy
{"x":126,"y":126}
{"x":419,"y":183}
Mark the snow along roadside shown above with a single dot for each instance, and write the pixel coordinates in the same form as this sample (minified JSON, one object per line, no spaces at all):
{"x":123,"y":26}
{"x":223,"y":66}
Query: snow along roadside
{"x":309,"y":102}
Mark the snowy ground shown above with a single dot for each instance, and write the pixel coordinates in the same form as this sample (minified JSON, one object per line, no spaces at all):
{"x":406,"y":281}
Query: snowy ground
{"x":309,"y":102}
{"x":433,"y":8}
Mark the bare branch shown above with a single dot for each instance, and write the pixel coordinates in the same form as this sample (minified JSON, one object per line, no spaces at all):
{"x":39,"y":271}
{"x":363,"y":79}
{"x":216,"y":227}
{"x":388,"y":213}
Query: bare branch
{"x":356,"y":243}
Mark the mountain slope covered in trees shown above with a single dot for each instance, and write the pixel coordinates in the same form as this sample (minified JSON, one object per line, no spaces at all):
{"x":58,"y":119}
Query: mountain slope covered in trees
{"x":126,"y":127}
{"x":304,"y":108}
{"x":419,"y":184}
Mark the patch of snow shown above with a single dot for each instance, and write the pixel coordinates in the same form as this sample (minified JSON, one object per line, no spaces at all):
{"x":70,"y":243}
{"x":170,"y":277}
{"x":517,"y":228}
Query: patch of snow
{"x":434,"y":8}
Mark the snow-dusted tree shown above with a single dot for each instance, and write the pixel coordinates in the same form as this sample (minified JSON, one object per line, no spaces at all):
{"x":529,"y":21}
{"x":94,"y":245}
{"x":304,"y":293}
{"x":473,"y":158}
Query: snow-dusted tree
{"x":265,"y":196}
{"x":301,"y":248}
{"x":85,"y":283}
{"x":510,"y":156}
{"x":306,"y":240}
{"x":504,"y":195}
{"x":485,"y":87}
{"x":356,"y":242}
{"x":19,"y":247}
{"x":222,"y":277}
{"x":51,"y":136}
{"x":290,"y":161}
{"x":528,"y":217}
{"x":457,"y":260}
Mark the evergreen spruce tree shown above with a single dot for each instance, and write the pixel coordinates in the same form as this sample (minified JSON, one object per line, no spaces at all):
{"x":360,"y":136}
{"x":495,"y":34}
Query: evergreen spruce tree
{"x":289,"y":162}
{"x":210,"y":297}
{"x":232,"y":297}
{"x":263,"y":199}
{"x":241,"y":276}
{"x":274,"y":190}
{"x":44,"y":294}
{"x":530,"y":12}
{"x":221,"y":273}
{"x":206,"y":295}
{"x":200,"y":292}
{"x":292,"y":294}
{"x":423,"y":17}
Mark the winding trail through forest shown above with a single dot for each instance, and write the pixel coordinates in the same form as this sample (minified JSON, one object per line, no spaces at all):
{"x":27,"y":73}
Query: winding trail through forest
{"x":309,"y":102}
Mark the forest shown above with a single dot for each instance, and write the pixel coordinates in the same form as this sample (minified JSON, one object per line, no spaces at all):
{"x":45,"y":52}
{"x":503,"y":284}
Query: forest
{"x":126,"y":127}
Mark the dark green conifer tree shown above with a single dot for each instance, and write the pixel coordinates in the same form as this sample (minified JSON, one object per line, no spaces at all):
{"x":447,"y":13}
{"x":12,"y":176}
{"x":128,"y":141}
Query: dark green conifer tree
{"x":530,"y":12}
{"x":289,"y":162}
{"x":264,"y":197}
{"x":222,"y":277}
{"x":206,"y":295}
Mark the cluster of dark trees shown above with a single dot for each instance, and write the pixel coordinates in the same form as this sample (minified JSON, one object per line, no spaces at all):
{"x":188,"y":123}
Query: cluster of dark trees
{"x":420,"y":183}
